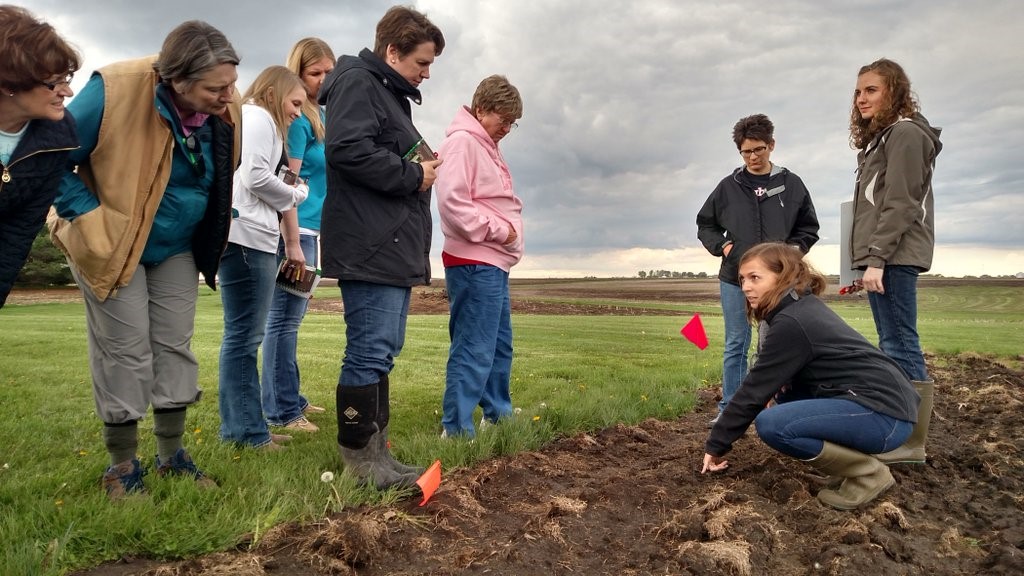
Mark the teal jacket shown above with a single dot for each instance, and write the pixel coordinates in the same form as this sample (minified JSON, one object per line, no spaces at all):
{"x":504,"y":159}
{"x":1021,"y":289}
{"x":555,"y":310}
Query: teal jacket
{"x":184,"y":202}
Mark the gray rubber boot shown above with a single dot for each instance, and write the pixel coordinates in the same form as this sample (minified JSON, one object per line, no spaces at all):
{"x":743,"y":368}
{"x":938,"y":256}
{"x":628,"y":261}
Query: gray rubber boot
{"x":360,"y":441}
{"x":382,"y":440}
{"x":865,"y":476}
{"x":371,"y":466}
{"x":383,"y":418}
{"x":912,"y":451}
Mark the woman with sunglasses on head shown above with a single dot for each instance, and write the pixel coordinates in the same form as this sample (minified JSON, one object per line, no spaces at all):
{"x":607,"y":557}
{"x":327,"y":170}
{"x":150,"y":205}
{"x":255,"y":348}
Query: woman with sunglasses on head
{"x":759,"y":202}
{"x":248,"y":270}
{"x":377,"y":227}
{"x":35,"y":133}
{"x":893,"y":234}
{"x":283,"y":404}
{"x":147,"y":211}
{"x":482,"y":221}
{"x":839,"y":400}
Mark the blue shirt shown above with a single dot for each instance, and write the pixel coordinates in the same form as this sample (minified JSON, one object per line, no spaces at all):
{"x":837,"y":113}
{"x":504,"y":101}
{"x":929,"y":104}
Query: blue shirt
{"x":303,"y":145}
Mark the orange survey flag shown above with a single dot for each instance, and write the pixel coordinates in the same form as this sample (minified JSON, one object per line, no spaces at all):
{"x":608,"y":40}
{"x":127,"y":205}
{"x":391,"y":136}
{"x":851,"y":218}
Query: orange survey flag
{"x":430,"y":480}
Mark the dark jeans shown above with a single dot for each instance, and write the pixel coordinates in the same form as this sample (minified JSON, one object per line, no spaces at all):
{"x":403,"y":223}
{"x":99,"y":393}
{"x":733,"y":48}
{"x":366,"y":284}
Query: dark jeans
{"x":246,"y":286}
{"x":800,"y":427}
{"x":282,"y":402}
{"x":895,"y":314}
{"x":375,"y":317}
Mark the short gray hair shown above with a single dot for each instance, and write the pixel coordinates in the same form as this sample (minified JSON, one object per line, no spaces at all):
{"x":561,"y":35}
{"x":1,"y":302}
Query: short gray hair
{"x":191,"y":50}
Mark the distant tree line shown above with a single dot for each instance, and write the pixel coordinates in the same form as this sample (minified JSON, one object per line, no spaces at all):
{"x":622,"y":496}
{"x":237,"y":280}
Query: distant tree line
{"x":669,"y":274}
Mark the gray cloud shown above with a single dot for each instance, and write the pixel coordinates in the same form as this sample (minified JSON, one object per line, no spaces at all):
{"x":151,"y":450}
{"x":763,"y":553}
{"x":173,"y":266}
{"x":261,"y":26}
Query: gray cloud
{"x":629,"y":105}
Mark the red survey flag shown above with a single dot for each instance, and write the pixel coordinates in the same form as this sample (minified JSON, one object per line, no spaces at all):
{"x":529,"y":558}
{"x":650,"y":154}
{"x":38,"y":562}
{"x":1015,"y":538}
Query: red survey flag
{"x":694,"y":332}
{"x":430,"y":480}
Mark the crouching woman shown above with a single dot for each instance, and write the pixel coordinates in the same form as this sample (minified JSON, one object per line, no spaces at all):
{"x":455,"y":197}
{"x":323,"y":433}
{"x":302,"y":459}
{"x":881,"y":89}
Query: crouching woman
{"x":839,"y":400}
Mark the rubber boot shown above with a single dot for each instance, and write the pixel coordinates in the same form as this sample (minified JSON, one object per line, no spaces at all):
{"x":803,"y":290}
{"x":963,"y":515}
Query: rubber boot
{"x":912,"y":451}
{"x":383,"y":418}
{"x":865,"y":476}
{"x":359,"y":439}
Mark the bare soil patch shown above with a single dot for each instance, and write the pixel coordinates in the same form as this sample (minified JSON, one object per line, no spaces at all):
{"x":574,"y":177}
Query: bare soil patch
{"x":630,"y":500}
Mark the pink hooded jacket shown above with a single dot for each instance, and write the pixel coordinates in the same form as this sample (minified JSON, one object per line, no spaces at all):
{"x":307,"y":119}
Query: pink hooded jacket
{"x":475,"y":198}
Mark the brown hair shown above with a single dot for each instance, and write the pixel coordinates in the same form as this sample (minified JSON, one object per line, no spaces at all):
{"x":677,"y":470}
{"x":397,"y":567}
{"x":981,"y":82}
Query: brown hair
{"x":405,"y":29}
{"x":900,"y":101}
{"x":794,"y":274}
{"x":269,"y":91}
{"x":496,"y":94}
{"x":32,"y":51}
{"x":304,"y":54}
{"x":755,"y":127}
{"x":191,"y":50}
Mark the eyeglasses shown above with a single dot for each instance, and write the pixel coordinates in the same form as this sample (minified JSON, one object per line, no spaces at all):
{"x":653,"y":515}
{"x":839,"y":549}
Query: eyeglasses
{"x":66,"y":80}
{"x":510,"y":125}
{"x":753,"y":151}
{"x":195,"y":154}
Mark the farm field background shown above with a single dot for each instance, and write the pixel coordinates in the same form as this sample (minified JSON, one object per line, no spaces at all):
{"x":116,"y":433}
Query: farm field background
{"x":594,"y":359}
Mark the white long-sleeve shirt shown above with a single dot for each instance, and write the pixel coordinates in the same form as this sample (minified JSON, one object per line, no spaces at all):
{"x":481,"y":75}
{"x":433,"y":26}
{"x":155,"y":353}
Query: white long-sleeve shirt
{"x":259,"y":195}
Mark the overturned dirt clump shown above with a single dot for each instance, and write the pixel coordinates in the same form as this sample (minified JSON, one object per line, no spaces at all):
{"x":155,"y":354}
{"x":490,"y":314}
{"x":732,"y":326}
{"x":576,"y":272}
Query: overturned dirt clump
{"x":630,"y":500}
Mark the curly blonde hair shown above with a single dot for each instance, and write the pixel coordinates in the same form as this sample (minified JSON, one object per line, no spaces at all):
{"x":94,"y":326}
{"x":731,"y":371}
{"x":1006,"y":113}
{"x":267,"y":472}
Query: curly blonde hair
{"x":900,"y":102}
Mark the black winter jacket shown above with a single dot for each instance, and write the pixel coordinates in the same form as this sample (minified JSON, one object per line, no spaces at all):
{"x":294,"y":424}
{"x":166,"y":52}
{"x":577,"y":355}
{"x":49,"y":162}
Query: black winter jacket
{"x":376,"y":224}
{"x":810,"y":352}
{"x":28,"y":187}
{"x":734,"y":212}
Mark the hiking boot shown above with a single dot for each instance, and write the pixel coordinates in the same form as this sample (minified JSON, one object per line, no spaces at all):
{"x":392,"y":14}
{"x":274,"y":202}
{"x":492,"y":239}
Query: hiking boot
{"x":310,"y":409}
{"x":123,"y":479}
{"x":302,"y":425}
{"x":280,"y":438}
{"x":181,"y":464}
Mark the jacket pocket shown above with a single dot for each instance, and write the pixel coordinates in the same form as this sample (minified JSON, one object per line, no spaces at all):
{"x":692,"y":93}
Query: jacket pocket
{"x":91,"y":239}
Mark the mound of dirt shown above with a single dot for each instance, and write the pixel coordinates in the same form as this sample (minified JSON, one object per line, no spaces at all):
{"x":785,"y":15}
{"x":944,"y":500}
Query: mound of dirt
{"x":630,"y":500}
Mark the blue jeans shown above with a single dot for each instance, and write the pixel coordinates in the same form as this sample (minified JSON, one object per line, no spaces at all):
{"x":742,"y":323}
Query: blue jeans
{"x":480,"y":355}
{"x":282,"y":402}
{"x":375,"y":317}
{"x":895,"y":315}
{"x":799,"y":428}
{"x":246,"y":286}
{"x":737,"y":340}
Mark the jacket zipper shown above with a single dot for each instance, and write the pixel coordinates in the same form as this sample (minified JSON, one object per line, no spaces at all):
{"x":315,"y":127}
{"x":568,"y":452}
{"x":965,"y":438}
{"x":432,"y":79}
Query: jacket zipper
{"x":7,"y":169}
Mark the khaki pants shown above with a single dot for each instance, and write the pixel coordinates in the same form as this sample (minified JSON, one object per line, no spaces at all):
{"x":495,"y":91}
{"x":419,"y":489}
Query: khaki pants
{"x":140,"y":341}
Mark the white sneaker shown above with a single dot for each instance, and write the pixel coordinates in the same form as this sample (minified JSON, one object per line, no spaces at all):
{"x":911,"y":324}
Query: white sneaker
{"x":485,"y":423}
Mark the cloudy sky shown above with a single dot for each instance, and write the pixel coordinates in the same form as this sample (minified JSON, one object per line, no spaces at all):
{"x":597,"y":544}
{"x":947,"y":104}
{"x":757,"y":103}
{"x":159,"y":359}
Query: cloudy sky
{"x":629,"y":105}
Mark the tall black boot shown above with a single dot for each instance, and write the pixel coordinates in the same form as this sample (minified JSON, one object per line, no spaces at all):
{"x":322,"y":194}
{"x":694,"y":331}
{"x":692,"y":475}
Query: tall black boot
{"x":358,"y":439}
{"x":383,"y":418}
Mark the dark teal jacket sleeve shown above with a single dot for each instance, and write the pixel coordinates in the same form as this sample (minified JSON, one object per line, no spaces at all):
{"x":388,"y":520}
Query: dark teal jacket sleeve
{"x":74,"y":198}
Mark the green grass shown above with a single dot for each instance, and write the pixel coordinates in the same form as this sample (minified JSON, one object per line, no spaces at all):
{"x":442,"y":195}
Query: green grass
{"x":571,"y":373}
